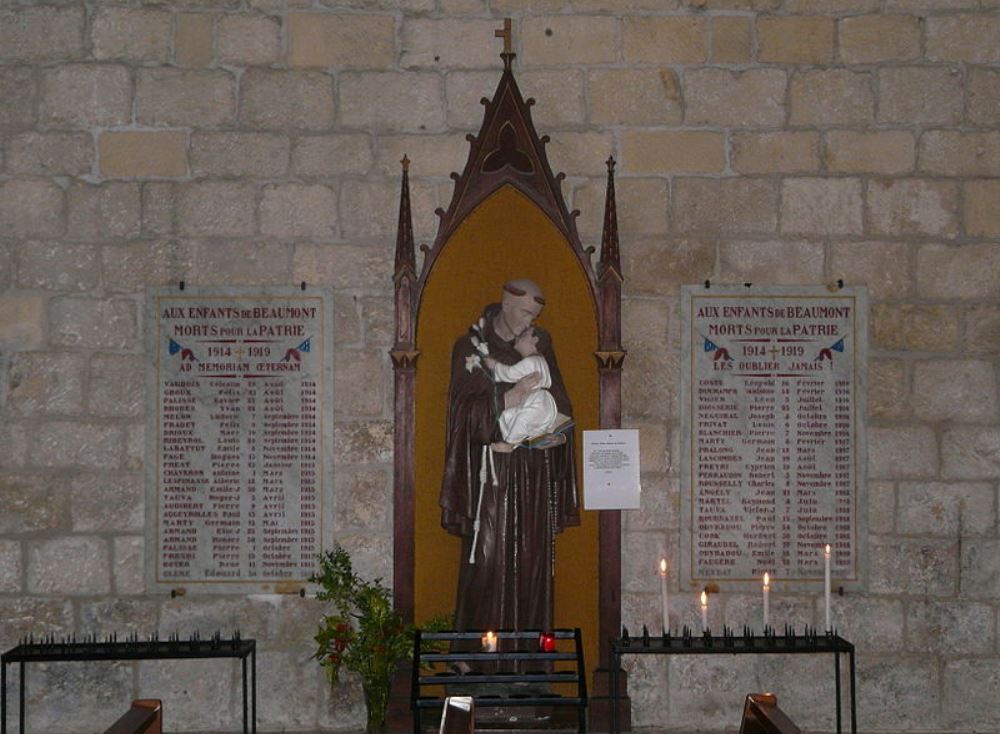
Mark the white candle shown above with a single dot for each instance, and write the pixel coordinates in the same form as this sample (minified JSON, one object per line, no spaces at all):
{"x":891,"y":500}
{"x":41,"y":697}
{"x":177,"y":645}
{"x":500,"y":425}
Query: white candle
{"x":704,"y":611}
{"x":826,"y":584}
{"x":767,"y":599}
{"x":489,"y":642}
{"x":664,"y":595}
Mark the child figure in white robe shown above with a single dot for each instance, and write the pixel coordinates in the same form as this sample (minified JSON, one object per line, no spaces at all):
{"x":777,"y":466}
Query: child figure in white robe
{"x":537,"y":415}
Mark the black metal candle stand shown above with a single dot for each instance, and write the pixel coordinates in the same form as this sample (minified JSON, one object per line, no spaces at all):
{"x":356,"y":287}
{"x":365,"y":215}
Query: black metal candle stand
{"x":810,"y":641}
{"x":90,"y":648}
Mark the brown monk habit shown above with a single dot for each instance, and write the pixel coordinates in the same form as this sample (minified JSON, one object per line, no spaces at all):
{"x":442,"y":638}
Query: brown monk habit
{"x":510,"y":584}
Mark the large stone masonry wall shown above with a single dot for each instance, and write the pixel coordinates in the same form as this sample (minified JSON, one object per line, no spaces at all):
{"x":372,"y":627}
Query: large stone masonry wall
{"x":257,"y":142}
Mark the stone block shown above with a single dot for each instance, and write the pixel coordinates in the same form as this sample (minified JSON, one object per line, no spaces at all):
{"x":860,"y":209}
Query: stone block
{"x":185,"y":617}
{"x":340,"y":41}
{"x":22,"y":321}
{"x":347,"y":320}
{"x":110,"y":616}
{"x":955,"y":153}
{"x":216,"y":209}
{"x":777,"y":152}
{"x":949,"y":629}
{"x":754,"y":97}
{"x":104,"y":211}
{"x":298,"y":210}
{"x":362,"y":442}
{"x":249,"y":40}
{"x":913,"y":207}
{"x":69,"y":566}
{"x":430,"y":155}
{"x":888,"y":394}
{"x":93,"y":323}
{"x":831,"y":97}
{"x":647,"y":390}
{"x":209,"y":704}
{"x":898,"y":693}
{"x":45,"y":383}
{"x":18,"y":98}
{"x":679,"y":39}
{"x":185,"y":98}
{"x":58,"y":267}
{"x":968,"y":271}
{"x":980,"y":210}
{"x":955,"y":390}
{"x":982,"y":93}
{"x":560,"y":96}
{"x":10,"y":567}
{"x":32,"y":503}
{"x":352,"y":368}
{"x":795,"y":39}
{"x":672,"y":151}
{"x":971,"y":38}
{"x":24,"y":615}
{"x":705,"y":690}
{"x":465,"y":89}
{"x":642,"y":206}
{"x":882,"y":266}
{"x":971,"y":452}
{"x":363,"y":499}
{"x":102,"y":502}
{"x":371,"y":554}
{"x":130,"y":267}
{"x":821,"y":206}
{"x":392,"y":101}
{"x":870,"y":39}
{"x":731,"y":39}
{"x":971,"y":687}
{"x":193,"y":39}
{"x":143,"y":154}
{"x":948,"y":510}
{"x":65,"y":444}
{"x":379,"y":321}
{"x":771,"y":261}
{"x":128,"y":565}
{"x":737,"y":205}
{"x":881,"y":507}
{"x":117,"y":386}
{"x":291,"y":701}
{"x":244,"y":262}
{"x":232,"y":154}
{"x":657,"y":267}
{"x":872,"y":624}
{"x":920,"y":95}
{"x":78,"y":696}
{"x":446,"y":43}
{"x":359,"y":199}
{"x":914,"y":327}
{"x":41,"y":33}
{"x":913,"y":566}
{"x":345,"y":267}
{"x":981,"y":569}
{"x":31,"y":208}
{"x":327,"y":155}
{"x":569,"y":39}
{"x":982,"y":330}
{"x":902,"y":453}
{"x":50,"y":154}
{"x":634,"y":97}
{"x":135,"y":446}
{"x":86,"y":95}
{"x":159,"y":205}
{"x":647,"y":680}
{"x":134,"y":34}
{"x":890,"y":151}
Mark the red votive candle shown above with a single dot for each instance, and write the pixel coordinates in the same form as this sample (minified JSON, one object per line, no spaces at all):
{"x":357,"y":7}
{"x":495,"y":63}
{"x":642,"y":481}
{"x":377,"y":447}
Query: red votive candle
{"x":547,"y":642}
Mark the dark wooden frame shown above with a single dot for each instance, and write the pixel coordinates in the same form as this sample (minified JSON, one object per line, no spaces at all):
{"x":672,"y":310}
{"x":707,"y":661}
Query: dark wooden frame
{"x":506,"y":152}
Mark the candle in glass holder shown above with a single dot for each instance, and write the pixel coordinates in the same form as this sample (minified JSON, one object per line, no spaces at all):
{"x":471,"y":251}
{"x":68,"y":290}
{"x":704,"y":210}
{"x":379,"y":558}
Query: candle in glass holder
{"x":490,"y":642}
{"x":826,"y":584}
{"x":547,"y":642}
{"x":664,"y":595}
{"x":704,"y":611}
{"x":767,"y":599}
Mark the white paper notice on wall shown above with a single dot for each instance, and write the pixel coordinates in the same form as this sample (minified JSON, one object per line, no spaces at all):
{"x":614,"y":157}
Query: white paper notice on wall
{"x":611,"y":470}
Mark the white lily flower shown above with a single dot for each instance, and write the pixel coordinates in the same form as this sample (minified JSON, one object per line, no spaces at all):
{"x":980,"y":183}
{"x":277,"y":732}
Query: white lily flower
{"x":472,"y":362}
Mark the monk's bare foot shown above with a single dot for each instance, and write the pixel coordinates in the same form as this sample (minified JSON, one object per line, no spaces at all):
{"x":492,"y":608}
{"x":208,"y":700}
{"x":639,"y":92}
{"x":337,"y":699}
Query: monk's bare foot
{"x":502,"y":447}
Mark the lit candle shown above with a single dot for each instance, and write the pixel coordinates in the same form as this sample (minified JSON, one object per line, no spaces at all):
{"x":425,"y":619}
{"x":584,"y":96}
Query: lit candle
{"x":489,"y":642}
{"x":826,"y":584}
{"x":767,"y":599}
{"x":704,"y":611}
{"x":664,"y":595}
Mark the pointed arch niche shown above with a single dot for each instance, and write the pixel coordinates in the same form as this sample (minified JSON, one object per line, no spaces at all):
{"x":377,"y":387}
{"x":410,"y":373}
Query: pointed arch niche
{"x":507,"y":219}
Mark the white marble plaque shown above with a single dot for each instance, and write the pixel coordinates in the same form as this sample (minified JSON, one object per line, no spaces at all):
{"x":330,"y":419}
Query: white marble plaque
{"x":773,"y":455}
{"x":239,"y":436}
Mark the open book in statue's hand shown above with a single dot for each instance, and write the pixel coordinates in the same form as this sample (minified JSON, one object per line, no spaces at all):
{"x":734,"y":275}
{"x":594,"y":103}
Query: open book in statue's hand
{"x":556,"y":437}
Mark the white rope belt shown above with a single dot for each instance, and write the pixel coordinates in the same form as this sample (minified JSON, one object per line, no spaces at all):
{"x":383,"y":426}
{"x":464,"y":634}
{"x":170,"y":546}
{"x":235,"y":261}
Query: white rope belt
{"x":486,"y":468}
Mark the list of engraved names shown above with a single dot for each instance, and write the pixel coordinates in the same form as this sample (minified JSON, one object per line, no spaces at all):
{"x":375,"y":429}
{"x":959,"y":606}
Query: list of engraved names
{"x":772,"y":463}
{"x":239,"y":455}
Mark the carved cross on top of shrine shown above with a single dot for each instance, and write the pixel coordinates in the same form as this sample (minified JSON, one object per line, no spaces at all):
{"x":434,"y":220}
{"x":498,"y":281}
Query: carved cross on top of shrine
{"x":508,"y":41}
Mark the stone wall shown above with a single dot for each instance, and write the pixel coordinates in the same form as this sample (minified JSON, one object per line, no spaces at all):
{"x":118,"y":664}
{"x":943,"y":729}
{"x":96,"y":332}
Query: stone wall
{"x":257,"y":141}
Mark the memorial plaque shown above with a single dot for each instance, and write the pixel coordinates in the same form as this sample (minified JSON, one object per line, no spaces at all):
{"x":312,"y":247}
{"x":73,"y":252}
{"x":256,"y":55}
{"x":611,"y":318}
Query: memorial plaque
{"x":239,"y":437}
{"x":773,"y":456}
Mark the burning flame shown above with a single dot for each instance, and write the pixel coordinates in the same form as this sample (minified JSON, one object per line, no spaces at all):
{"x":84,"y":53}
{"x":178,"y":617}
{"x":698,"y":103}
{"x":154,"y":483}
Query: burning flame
{"x":767,"y":580}
{"x":826,"y":551}
{"x":663,"y":566}
{"x":704,"y":599}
